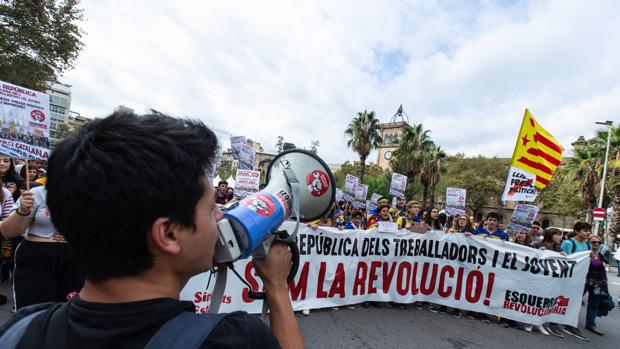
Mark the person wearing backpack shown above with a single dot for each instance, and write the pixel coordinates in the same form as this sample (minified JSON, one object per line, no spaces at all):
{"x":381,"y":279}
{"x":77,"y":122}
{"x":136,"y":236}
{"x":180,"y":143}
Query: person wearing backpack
{"x":578,"y":243}
{"x":139,"y":239}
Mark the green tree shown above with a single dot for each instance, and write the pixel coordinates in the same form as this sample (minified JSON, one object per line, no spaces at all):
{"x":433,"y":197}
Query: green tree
{"x":363,"y":132}
{"x":39,"y":40}
{"x":408,"y":158}
{"x":560,"y":195}
{"x":583,"y":167}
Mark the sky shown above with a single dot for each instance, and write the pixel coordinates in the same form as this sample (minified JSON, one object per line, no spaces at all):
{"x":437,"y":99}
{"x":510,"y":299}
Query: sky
{"x":303,"y":70}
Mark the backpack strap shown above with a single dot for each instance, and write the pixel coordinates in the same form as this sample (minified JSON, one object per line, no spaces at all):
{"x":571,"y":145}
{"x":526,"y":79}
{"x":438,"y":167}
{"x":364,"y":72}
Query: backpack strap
{"x":14,"y":334}
{"x":573,"y":246}
{"x":186,"y":330}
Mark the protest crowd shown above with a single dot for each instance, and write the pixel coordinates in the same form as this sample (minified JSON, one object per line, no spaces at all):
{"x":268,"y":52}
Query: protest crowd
{"x":411,"y":216}
{"x":44,"y":268}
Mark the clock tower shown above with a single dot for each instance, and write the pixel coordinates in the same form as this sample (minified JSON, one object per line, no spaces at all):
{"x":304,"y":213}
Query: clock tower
{"x":391,"y":134}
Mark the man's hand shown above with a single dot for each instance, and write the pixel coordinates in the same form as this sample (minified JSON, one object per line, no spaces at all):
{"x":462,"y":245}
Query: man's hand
{"x":274,"y":269}
{"x":26,"y":202}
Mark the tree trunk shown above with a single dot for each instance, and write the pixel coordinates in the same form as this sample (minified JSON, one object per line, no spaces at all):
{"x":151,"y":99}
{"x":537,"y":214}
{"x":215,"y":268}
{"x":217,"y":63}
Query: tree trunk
{"x":362,"y":168}
{"x":425,"y":196}
{"x":432,"y":203}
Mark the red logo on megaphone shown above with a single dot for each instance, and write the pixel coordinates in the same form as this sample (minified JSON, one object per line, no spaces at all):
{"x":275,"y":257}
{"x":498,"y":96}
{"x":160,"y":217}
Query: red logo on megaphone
{"x":318,"y":183}
{"x":261,"y":204}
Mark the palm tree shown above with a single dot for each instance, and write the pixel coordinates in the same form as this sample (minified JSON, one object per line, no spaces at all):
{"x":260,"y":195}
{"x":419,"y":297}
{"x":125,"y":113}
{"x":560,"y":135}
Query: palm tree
{"x":612,"y":182}
{"x":364,"y":133}
{"x":431,"y":172}
{"x":408,"y":159}
{"x":584,"y":168}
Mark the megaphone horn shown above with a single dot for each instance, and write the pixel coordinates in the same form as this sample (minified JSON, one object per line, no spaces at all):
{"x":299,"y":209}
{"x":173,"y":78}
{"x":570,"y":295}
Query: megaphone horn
{"x":296,"y":178}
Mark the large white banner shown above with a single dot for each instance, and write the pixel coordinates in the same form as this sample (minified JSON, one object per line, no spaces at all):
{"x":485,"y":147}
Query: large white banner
{"x":455,"y":201}
{"x":246,"y":183}
{"x":467,"y":272}
{"x":398,"y":185}
{"x":24,"y":122}
{"x":520,"y":186}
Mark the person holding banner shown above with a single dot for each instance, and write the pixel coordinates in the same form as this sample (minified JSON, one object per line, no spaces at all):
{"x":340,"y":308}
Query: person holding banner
{"x":596,"y":285}
{"x":462,"y":224}
{"x":431,"y":222}
{"x":357,"y":221}
{"x":412,"y":217}
{"x":491,"y":228}
{"x":383,"y":216}
{"x":6,"y":247}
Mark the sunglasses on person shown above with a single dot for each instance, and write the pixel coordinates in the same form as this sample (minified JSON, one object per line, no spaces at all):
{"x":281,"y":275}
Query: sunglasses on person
{"x":595,"y":242}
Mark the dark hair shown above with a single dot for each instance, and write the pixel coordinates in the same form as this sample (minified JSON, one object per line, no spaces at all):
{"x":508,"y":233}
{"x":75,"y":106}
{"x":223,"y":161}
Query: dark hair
{"x":548,"y":242}
{"x":222,"y":182}
{"x":492,"y":215}
{"x":536,"y":223}
{"x":357,"y":214}
{"x":104,"y":205}
{"x":381,"y":207}
{"x":22,"y":174}
{"x":581,"y":226}
{"x":434,"y":224}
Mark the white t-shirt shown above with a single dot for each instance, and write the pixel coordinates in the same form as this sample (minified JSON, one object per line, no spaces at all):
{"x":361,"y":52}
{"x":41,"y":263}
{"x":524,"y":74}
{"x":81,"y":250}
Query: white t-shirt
{"x":41,"y":224}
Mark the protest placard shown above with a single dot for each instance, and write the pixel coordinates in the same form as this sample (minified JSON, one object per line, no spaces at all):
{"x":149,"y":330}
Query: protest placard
{"x":246,"y":157}
{"x":522,"y":218}
{"x":361,"y":192}
{"x":24,"y":122}
{"x":398,"y":185}
{"x":339,"y":268}
{"x":520,"y":185}
{"x":246,"y":183}
{"x":455,"y":201}
{"x":236,"y":142}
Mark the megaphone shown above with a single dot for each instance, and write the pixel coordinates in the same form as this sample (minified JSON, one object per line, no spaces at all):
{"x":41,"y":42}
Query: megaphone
{"x":300,"y":184}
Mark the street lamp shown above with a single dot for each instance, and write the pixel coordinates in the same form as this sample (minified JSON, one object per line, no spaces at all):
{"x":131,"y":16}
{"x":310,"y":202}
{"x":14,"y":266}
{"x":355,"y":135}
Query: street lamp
{"x":600,"y":198}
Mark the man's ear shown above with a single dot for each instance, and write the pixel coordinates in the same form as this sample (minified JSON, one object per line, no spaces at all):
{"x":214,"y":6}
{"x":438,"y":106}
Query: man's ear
{"x":165,"y":236}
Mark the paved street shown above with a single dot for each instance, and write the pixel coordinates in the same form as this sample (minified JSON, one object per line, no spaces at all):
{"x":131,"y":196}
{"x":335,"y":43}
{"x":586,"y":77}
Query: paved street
{"x":395,"y":328}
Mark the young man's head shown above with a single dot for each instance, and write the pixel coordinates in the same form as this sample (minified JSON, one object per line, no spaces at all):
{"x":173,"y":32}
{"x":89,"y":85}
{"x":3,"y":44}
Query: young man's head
{"x":122,"y":223}
{"x":535,"y":231}
{"x":384,"y":212}
{"x":356,"y":217}
{"x":400,"y":202}
{"x":582,"y":230}
{"x":413,"y":207}
{"x":222,"y":187}
{"x":383,"y":201}
{"x":492,"y":221}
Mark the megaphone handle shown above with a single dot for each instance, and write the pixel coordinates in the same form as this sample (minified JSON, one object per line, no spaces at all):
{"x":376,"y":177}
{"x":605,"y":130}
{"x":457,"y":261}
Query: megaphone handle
{"x":292,"y":245}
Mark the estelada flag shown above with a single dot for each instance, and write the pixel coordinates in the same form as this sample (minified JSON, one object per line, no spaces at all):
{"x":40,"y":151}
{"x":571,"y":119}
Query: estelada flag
{"x":536,"y":151}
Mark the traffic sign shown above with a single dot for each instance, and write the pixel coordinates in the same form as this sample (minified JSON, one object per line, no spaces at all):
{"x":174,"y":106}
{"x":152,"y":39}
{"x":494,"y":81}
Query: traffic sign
{"x":599,"y":214}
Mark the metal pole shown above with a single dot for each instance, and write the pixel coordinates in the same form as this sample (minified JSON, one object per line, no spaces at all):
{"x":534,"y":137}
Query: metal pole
{"x":600,"y":198}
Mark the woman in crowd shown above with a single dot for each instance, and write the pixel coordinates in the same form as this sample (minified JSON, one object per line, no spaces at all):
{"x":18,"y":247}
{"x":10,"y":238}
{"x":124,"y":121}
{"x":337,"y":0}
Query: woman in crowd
{"x":462,"y":224}
{"x":46,"y":269}
{"x":32,"y":173}
{"x":6,"y":245}
{"x":8,"y":174}
{"x":552,"y":238}
{"x":523,"y":238}
{"x":596,"y":284}
{"x":432,"y":220}
{"x":383,"y":216}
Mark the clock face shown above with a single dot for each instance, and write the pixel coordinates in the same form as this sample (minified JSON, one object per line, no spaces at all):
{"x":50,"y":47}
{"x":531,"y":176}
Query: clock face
{"x":387,"y":155}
